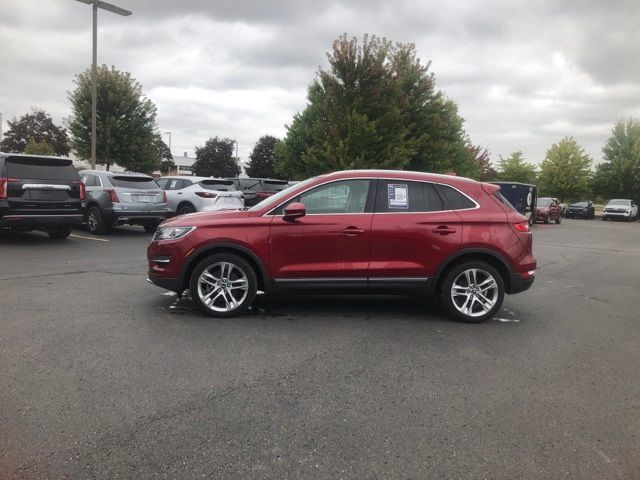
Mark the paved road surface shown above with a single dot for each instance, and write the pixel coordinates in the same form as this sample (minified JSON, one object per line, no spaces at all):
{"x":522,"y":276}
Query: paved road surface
{"x":101,"y":378}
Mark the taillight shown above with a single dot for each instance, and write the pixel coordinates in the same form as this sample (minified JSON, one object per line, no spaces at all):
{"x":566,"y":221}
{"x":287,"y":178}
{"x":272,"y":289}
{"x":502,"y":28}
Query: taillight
{"x":83,"y":188}
{"x":4,"y":186}
{"x":521,"y":227}
{"x":207,"y":194}
{"x":164,"y":196}
{"x":113,"y":196}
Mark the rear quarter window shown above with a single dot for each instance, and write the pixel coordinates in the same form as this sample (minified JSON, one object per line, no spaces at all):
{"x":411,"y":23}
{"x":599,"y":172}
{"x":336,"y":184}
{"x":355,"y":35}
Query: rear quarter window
{"x":41,"y":168}
{"x":457,"y":201}
{"x":140,"y":183}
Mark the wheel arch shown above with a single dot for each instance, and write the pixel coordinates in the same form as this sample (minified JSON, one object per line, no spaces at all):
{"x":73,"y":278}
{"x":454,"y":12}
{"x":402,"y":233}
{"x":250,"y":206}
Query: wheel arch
{"x":483,"y":254}
{"x":241,"y":251}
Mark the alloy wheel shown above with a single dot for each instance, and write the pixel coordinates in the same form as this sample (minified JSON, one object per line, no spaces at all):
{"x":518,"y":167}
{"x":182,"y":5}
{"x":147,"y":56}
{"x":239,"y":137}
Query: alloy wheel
{"x":474,"y":292}
{"x":223,"y":287}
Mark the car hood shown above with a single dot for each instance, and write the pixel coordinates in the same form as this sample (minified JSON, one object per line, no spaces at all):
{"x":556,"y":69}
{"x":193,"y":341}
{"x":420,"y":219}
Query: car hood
{"x":207,"y":218}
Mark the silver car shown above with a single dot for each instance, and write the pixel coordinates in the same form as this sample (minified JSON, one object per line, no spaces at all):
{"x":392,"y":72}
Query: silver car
{"x":122,"y":198}
{"x":200,"y":194}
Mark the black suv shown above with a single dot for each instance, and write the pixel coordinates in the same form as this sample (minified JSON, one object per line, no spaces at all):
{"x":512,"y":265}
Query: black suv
{"x":40,"y":193}
{"x":257,"y":189}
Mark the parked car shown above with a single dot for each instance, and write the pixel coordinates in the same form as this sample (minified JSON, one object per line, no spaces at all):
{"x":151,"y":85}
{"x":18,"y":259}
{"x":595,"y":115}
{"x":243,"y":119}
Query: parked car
{"x":620,"y":208}
{"x":257,"y":189}
{"x":359,"y":231}
{"x":522,"y":196}
{"x":122,"y":199}
{"x":40,"y":193}
{"x":547,"y":210}
{"x":583,"y":209}
{"x":200,"y":194}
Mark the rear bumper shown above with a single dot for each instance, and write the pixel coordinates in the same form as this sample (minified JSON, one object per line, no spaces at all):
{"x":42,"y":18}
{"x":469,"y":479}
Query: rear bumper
{"x":41,"y":221}
{"x":520,"y":284}
{"x":131,"y":217}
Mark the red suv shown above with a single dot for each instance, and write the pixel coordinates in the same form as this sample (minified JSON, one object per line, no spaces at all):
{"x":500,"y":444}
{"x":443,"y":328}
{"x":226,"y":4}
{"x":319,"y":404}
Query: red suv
{"x":358,"y":231}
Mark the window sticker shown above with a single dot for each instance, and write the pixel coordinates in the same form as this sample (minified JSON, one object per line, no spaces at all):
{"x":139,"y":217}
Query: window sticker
{"x":398,"y":195}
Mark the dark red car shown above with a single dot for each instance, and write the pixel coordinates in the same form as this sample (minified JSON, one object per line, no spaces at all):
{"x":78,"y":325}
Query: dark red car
{"x":359,"y":231}
{"x":548,"y":210}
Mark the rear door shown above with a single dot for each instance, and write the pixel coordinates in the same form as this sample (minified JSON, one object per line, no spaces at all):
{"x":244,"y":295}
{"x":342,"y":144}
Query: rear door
{"x":42,"y":186}
{"x":413,"y":231}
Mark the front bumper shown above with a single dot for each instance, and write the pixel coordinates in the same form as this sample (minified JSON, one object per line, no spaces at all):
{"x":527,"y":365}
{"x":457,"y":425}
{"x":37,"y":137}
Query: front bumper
{"x":577,"y":214}
{"x":171,"y":284}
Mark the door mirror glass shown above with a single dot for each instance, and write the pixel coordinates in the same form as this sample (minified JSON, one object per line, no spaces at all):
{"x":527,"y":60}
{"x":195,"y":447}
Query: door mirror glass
{"x":294,"y":210}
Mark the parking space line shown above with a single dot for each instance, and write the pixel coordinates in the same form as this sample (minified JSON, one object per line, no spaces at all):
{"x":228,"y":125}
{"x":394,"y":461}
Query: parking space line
{"x":89,"y":238}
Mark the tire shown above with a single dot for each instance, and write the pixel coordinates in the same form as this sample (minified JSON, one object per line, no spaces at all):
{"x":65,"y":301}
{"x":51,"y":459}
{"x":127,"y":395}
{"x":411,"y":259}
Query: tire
{"x":95,"y":221}
{"x":185,"y":208}
{"x":236,"y":270}
{"x":604,"y":219}
{"x":151,"y":227}
{"x":558,"y":220}
{"x":454,"y":284}
{"x":547,"y":220}
{"x":59,"y":233}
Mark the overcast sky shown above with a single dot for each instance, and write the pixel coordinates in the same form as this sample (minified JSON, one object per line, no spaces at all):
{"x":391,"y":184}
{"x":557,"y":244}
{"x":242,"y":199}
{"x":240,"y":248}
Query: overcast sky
{"x":524,"y":73}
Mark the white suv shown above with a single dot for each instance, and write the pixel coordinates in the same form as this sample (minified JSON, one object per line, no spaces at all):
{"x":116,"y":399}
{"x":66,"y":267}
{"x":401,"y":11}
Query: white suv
{"x":200,"y":194}
{"x":620,"y":208}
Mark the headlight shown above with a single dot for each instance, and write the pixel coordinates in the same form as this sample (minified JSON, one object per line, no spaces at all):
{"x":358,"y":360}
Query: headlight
{"x":171,"y":233}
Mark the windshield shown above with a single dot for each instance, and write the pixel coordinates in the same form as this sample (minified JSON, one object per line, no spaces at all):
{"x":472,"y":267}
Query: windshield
{"x":141,"y":183}
{"x":620,"y":202}
{"x":579,"y":204}
{"x":274,"y":199}
{"x":544,"y":202}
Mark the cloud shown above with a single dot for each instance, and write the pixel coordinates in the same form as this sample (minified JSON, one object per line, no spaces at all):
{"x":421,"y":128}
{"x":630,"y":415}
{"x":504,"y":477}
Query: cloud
{"x":525,"y":74}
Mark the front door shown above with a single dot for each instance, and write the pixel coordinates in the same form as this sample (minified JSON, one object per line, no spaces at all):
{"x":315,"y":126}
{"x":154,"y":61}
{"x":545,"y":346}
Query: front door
{"x":329,"y":246}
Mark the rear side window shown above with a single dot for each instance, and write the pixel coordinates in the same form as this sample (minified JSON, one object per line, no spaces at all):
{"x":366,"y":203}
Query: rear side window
{"x":457,"y":201}
{"x":406,"y":196}
{"x":219,"y":185}
{"x":41,"y":168}
{"x":140,"y":183}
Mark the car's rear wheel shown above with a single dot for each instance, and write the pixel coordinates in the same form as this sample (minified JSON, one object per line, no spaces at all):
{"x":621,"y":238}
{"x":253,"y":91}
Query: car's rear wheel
{"x":547,"y":220}
{"x":185,"y":208}
{"x":558,"y":220}
{"x":95,"y":221}
{"x":223,"y":285}
{"x":59,"y":233}
{"x":472,"y":291}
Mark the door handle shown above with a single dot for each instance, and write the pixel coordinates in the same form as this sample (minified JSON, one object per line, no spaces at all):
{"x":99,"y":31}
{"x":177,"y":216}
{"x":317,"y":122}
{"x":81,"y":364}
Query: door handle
{"x":351,"y":231}
{"x":443,"y":230}
{"x":179,"y":193}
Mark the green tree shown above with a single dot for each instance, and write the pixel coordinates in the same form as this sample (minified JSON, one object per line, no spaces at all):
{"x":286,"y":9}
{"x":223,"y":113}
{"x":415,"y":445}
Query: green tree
{"x":126,"y":121}
{"x":261,"y":158}
{"x":565,"y":171}
{"x":39,"y":127}
{"x":619,"y":174}
{"x":515,"y":169}
{"x":215,"y":159}
{"x":38,"y":148}
{"x":482,"y":157}
{"x":375,"y":107}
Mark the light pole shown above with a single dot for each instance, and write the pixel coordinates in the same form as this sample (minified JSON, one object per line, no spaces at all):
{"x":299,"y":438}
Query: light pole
{"x":169,"y":133}
{"x":94,"y":88}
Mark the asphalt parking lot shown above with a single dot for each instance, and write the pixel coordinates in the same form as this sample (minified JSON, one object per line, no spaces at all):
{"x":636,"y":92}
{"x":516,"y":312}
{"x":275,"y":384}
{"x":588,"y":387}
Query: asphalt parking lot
{"x":104,"y":376}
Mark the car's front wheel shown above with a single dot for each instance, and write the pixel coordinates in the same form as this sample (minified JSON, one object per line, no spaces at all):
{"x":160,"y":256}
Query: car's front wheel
{"x":472,"y":291}
{"x":558,"y":220}
{"x":223,"y":285}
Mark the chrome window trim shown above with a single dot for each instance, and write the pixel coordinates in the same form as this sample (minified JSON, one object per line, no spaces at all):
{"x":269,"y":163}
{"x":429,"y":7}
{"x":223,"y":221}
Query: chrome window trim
{"x":477,"y":205}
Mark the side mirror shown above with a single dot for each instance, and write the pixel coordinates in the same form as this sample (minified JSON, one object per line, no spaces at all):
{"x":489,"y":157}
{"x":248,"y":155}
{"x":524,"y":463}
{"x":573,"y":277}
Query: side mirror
{"x":294,"y":210}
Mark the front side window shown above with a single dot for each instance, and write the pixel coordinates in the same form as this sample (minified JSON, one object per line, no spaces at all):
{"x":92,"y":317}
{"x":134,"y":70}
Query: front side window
{"x":407,"y":196}
{"x":343,"y":196}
